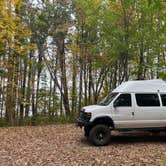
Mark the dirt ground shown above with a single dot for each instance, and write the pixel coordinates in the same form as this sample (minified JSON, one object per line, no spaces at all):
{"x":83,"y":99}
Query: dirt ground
{"x":66,"y":145}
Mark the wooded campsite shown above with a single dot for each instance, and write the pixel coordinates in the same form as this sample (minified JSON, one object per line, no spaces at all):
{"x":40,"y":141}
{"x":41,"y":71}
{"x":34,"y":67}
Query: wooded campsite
{"x":57,"y":56}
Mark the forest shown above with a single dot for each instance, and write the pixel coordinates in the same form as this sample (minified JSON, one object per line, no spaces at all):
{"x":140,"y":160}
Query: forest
{"x":59,"y":55}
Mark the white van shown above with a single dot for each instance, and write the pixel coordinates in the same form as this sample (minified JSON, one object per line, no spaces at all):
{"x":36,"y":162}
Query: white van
{"x":134,"y":105}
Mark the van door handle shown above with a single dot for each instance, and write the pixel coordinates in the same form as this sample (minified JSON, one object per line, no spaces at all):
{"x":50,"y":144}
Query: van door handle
{"x":133,"y":113}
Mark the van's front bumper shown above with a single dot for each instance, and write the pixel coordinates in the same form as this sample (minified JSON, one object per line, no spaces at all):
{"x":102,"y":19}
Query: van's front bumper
{"x":81,"y":123}
{"x":84,"y":119}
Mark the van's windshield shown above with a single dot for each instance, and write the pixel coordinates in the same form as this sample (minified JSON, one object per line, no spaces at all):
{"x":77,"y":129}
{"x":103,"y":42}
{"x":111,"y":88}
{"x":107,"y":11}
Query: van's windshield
{"x":107,"y":100}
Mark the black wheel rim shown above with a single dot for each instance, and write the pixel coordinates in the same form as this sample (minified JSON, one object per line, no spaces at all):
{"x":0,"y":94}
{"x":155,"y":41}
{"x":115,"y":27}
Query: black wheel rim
{"x":100,"y":135}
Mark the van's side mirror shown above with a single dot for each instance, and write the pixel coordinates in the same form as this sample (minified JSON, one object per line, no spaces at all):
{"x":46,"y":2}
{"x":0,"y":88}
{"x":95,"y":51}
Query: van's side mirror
{"x":115,"y":104}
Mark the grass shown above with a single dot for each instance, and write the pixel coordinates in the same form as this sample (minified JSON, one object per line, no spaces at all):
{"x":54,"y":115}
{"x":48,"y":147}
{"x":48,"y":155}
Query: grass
{"x":41,"y":120}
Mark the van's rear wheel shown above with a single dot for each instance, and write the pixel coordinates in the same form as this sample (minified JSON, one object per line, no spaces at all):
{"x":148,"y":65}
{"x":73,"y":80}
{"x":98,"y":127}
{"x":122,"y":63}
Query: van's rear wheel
{"x":100,"y":135}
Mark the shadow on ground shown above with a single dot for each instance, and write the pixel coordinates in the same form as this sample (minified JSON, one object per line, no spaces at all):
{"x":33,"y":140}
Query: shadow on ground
{"x":133,"y":137}
{"x":138,"y":137}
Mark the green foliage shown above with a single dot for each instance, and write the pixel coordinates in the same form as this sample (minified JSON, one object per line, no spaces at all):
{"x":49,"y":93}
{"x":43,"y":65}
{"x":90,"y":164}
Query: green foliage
{"x":4,"y":123}
{"x":46,"y":119}
{"x":162,"y":75}
{"x":65,"y":119}
{"x":39,"y":120}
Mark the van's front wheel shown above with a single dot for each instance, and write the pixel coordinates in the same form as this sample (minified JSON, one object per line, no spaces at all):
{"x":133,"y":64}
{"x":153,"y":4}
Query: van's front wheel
{"x":100,"y":135}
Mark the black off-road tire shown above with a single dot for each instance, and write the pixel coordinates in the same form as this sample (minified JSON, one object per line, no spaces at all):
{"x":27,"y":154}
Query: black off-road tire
{"x":155,"y":131}
{"x":100,"y":135}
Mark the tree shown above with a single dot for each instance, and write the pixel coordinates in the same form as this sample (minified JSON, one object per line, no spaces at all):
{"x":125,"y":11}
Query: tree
{"x":14,"y":46}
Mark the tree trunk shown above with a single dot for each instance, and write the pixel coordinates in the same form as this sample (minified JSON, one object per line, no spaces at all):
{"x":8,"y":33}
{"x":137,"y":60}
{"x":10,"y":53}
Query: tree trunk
{"x":85,"y":83}
{"x":10,"y":98}
{"x":90,"y":84}
{"x":80,"y":88}
{"x":61,"y":57}
{"x":74,"y":90}
{"x":140,"y":75}
{"x":23,"y":89}
{"x":28,"y":92}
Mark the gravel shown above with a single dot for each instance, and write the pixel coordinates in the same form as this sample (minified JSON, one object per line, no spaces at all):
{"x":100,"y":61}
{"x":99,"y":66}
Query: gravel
{"x":65,"y":145}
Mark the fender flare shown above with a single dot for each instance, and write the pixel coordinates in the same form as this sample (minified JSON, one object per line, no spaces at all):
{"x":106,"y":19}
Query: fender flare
{"x":106,"y":120}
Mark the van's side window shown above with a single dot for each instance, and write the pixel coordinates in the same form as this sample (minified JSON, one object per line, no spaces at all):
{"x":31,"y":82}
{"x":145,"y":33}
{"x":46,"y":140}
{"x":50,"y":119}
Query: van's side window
{"x":163,"y":98}
{"x":124,"y":100}
{"x":147,"y":100}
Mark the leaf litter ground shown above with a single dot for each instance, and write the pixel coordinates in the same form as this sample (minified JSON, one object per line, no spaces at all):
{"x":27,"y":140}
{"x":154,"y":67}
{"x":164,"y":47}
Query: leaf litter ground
{"x":65,"y":145}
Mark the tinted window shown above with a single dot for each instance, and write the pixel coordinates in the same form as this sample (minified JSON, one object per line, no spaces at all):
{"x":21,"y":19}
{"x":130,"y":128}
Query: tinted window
{"x":147,"y":100}
{"x":163,"y":98}
{"x":124,"y":100}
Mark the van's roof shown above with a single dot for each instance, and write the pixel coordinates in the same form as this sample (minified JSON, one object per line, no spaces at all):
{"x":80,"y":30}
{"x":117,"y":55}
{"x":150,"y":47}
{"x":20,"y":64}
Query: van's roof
{"x":142,"y":86}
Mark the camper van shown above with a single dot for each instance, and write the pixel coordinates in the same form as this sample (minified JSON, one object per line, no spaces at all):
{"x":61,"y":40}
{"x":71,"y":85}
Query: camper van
{"x":134,"y":105}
